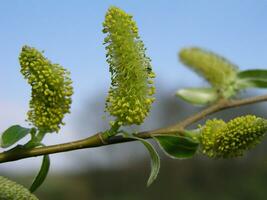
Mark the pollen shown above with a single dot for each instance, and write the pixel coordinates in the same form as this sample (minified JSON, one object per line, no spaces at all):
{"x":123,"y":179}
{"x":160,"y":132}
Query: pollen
{"x":131,"y":92}
{"x":51,"y":90}
{"x":232,"y":139}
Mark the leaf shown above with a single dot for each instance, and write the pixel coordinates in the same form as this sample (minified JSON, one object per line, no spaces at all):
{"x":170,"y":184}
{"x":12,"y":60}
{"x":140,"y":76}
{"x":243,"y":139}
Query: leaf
{"x":12,"y":135}
{"x":177,"y":147}
{"x":198,"y":96}
{"x":42,"y":174}
{"x":249,"y":83}
{"x":253,"y":74}
{"x":252,"y":79}
{"x":155,"y":159}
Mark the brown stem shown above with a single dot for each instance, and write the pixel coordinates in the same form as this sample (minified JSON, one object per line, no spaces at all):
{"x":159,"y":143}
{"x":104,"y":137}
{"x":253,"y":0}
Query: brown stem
{"x":97,"y":140}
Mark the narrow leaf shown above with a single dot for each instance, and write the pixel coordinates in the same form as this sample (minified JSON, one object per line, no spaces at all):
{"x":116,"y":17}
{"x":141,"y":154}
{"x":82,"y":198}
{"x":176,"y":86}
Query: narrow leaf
{"x":12,"y":135}
{"x":198,"y":96}
{"x":252,"y":79}
{"x":39,"y":179}
{"x":177,"y":147}
{"x":155,"y":159}
{"x":253,"y":74}
{"x":250,"y":83}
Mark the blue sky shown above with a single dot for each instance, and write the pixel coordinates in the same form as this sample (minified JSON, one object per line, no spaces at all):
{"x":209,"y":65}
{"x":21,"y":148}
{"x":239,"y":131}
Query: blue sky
{"x":70,"y":34}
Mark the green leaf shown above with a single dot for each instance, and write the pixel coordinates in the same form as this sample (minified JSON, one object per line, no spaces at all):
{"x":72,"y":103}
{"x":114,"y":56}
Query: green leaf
{"x":12,"y":135}
{"x":39,"y":179}
{"x":252,"y":79}
{"x":253,"y":74}
{"x":250,"y":83}
{"x":155,"y":159}
{"x":198,"y":96}
{"x":177,"y":147}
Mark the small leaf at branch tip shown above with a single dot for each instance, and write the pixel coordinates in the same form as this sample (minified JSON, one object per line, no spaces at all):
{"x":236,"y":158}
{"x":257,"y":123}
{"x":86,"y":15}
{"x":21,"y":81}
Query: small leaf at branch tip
{"x":256,"y":78}
{"x":177,"y":147}
{"x":253,"y":74}
{"x":12,"y":135}
{"x":155,"y":159}
{"x":198,"y":96}
{"x":1,"y":144}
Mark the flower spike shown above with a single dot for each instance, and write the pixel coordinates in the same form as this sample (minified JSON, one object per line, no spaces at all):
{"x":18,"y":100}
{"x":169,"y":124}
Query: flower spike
{"x":218,"y":71}
{"x":130,"y":95}
{"x":232,"y":139}
{"x":10,"y":190}
{"x":51,"y":90}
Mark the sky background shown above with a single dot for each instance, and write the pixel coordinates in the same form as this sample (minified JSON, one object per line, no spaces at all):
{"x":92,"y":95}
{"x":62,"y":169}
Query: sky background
{"x":70,"y":34}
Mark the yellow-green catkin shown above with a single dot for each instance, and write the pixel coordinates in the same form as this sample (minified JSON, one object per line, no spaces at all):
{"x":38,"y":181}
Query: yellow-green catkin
{"x":10,"y":190}
{"x":232,"y":139}
{"x":218,"y":71}
{"x":208,"y":136}
{"x":130,"y":95}
{"x":51,"y":90}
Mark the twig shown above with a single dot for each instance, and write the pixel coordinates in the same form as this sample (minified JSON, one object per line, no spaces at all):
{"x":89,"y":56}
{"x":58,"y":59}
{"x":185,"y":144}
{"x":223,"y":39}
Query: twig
{"x":97,"y":141}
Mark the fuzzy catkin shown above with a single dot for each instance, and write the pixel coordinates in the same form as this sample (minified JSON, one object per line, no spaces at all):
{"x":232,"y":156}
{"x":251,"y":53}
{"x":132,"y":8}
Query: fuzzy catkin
{"x":10,"y":190}
{"x":232,"y":139}
{"x":208,"y":139}
{"x":51,"y":90}
{"x":218,"y":71}
{"x":130,"y":95}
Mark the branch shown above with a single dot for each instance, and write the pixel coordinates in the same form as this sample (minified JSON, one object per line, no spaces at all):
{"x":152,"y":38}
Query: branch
{"x":97,"y":140}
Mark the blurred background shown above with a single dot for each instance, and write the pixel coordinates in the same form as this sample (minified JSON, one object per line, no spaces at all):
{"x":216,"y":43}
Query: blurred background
{"x":69,"y":32}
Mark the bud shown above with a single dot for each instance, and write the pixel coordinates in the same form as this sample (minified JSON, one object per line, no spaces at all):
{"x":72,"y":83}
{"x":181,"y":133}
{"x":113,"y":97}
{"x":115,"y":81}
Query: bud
{"x":232,"y":139}
{"x":218,"y":71}
{"x":130,"y":94}
{"x":10,"y":190}
{"x":51,"y":90}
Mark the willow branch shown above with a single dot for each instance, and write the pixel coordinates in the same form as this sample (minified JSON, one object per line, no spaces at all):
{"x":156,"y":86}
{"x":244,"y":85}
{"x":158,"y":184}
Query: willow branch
{"x":97,"y":140}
